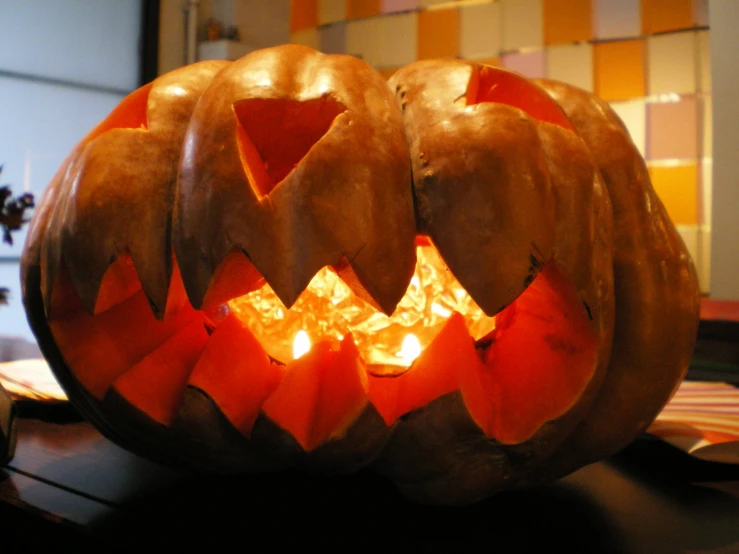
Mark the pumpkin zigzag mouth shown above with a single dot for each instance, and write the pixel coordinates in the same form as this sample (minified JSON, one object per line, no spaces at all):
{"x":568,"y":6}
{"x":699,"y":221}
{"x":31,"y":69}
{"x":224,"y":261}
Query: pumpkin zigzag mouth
{"x":509,"y":376}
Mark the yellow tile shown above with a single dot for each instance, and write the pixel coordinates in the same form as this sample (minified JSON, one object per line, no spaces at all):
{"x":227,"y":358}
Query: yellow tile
{"x":357,"y":9}
{"x":331,"y":11}
{"x":523,"y":24}
{"x":480,"y":30}
{"x":677,"y":187}
{"x":303,"y":15}
{"x":671,"y":63}
{"x":567,"y":21}
{"x":438,"y":33}
{"x":572,"y":64}
{"x":658,"y":16}
{"x":619,"y":69}
{"x":706,"y":194}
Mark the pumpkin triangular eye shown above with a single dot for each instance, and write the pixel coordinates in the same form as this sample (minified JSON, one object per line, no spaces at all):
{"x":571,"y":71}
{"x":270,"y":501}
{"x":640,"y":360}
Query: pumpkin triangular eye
{"x":275,"y":134}
{"x":129,"y":114}
{"x":489,"y":84}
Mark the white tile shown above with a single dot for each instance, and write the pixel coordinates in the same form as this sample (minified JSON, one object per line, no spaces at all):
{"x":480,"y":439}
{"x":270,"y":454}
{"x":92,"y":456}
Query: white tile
{"x":572,"y":64}
{"x":331,"y":11}
{"x":523,"y":24}
{"x":616,"y":18}
{"x":634,"y":115}
{"x":697,"y":239}
{"x":671,"y":63}
{"x":363,"y":39}
{"x":399,"y":44}
{"x":690,"y":236}
{"x":480,"y":27}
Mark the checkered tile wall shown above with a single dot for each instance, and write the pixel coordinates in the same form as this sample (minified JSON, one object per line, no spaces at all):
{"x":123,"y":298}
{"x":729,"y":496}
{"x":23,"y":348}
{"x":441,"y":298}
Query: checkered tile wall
{"x":649,"y":58}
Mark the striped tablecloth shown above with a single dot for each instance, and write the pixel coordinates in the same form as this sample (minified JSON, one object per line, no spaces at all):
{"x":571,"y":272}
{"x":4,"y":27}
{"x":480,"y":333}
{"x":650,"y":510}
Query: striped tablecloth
{"x":702,"y":418}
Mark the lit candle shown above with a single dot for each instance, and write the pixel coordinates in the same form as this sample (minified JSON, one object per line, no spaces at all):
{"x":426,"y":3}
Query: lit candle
{"x":410,"y":349}
{"x":301,"y":344}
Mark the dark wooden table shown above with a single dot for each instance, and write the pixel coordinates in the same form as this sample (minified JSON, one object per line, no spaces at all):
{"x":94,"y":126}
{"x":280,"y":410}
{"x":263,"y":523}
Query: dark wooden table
{"x":68,"y":489}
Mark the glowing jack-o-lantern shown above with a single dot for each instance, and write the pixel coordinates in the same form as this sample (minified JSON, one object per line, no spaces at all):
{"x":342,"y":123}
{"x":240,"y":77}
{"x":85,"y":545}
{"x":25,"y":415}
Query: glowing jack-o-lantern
{"x":461,"y":279}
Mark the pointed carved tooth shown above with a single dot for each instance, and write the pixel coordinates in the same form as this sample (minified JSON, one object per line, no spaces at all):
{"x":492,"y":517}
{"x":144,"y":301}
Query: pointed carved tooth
{"x":487,"y":205}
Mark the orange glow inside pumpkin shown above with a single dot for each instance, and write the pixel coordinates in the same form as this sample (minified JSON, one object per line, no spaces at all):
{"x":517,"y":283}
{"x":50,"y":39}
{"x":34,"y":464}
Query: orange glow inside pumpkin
{"x":273,"y":135}
{"x":528,"y":365}
{"x":129,"y":114}
{"x":328,"y":309}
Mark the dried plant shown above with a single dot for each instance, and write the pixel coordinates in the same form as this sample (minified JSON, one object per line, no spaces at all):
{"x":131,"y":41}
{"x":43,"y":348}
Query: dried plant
{"x":13,"y":215}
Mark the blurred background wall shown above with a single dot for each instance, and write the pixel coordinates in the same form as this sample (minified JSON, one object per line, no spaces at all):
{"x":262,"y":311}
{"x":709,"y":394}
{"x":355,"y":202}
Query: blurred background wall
{"x":63,"y":66}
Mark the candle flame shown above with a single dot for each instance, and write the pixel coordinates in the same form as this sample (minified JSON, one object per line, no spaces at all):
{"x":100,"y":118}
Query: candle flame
{"x":410,"y":349}
{"x":301,"y":344}
{"x":329,"y":310}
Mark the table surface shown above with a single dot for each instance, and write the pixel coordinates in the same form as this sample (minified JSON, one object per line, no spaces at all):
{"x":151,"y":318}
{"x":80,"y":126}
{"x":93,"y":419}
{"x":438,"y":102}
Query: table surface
{"x":69,"y":487}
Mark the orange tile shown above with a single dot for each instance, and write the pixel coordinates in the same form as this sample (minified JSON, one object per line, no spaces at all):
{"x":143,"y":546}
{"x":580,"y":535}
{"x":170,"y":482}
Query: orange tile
{"x":677,"y":187}
{"x":567,"y":21}
{"x":357,"y":9}
{"x":658,"y":16}
{"x":619,"y":69}
{"x":303,"y":14}
{"x":438,"y":33}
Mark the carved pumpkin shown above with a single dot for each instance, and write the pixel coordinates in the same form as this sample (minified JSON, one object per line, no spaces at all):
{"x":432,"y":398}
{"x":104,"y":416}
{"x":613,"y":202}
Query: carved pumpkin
{"x":284,"y":262}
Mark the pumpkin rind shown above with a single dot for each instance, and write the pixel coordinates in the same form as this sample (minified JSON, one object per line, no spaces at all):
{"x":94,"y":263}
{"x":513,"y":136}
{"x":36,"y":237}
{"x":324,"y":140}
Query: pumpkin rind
{"x":44,"y":260}
{"x":119,"y":201}
{"x":571,"y":220}
{"x":481,"y":184}
{"x":656,"y":292}
{"x":503,"y":182}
